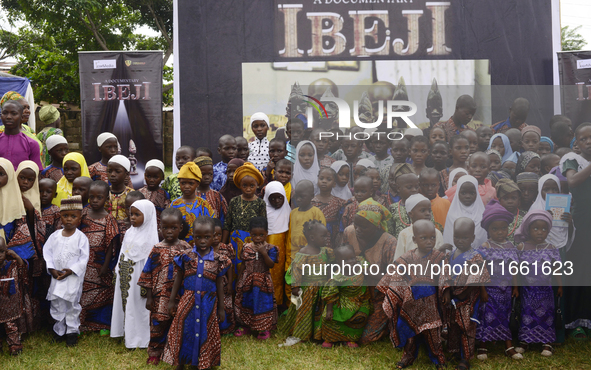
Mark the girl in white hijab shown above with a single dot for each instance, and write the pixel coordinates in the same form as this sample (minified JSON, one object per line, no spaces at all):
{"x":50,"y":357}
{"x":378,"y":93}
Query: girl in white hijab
{"x":558,"y":236}
{"x":341,"y":190}
{"x":473,"y":211}
{"x":306,"y":166}
{"x":278,"y":219}
{"x":130,"y":317}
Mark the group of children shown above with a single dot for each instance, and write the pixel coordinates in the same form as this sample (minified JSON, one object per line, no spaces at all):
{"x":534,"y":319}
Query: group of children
{"x":224,"y":248}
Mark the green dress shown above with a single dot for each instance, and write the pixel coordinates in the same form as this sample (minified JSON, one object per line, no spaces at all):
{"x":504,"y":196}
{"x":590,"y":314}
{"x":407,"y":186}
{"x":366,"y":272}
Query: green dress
{"x":303,"y":322}
{"x":351,"y":308}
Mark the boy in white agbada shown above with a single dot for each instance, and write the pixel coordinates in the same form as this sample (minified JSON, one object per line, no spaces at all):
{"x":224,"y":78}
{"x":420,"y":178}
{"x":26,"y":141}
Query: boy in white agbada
{"x":130,"y":317}
{"x":66,"y":254}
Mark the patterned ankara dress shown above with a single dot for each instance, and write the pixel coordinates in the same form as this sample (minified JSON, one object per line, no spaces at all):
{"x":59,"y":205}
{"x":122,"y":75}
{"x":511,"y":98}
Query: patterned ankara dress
{"x":158,"y":275}
{"x":51,"y":172}
{"x":331,"y":211}
{"x":159,"y":198}
{"x":191,"y":211}
{"x":351,"y":308}
{"x":98,"y":291}
{"x":462,"y":317}
{"x":238,"y":223}
{"x":537,"y":296}
{"x":255,"y":299}
{"x":116,"y":207}
{"x":227,"y":326}
{"x":11,"y":303}
{"x":301,"y":323}
{"x":194,"y":335}
{"x":411,"y":306}
{"x":217,"y":202}
{"x":494,"y":315}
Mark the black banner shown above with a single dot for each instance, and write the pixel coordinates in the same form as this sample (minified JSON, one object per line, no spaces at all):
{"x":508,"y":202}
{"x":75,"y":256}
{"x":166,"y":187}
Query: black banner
{"x":121,"y":92}
{"x":514,"y":35}
{"x":575,"y":81}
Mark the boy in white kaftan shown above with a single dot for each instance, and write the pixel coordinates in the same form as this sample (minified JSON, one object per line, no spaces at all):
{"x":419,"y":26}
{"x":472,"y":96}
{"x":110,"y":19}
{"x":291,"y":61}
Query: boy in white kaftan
{"x":66,"y":258}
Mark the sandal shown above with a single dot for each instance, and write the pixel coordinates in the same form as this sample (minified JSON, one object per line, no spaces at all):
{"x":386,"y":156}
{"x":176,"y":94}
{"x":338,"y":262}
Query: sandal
{"x":264,"y":335}
{"x":352,"y":345}
{"x":547,"y":350}
{"x":241,"y":332}
{"x":578,"y":334}
{"x":482,"y":353}
{"x":327,"y":345}
{"x":522,"y":347}
{"x":514,"y":356}
{"x":463,"y":365}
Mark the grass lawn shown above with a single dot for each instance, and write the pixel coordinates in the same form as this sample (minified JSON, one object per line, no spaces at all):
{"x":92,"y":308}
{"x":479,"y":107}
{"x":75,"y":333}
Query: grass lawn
{"x":95,"y":352}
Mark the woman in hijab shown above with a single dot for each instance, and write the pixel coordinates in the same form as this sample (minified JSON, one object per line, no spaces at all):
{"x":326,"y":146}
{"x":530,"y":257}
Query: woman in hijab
{"x":466,"y":203}
{"x":369,"y":237}
{"x":131,"y":319}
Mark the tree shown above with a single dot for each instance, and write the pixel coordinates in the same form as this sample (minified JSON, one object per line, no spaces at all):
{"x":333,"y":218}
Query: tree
{"x":57,"y":29}
{"x":571,"y":39}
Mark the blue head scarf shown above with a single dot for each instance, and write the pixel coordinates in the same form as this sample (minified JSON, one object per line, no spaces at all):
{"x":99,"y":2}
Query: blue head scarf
{"x":545,"y":139}
{"x":506,"y":143}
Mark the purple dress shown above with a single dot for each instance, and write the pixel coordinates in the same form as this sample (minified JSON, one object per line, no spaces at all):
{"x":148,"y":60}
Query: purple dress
{"x":495,"y":313}
{"x":537,"y":297}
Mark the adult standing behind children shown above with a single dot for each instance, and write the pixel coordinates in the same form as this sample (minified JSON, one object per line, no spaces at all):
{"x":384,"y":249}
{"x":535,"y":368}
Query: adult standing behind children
{"x":517,"y":116}
{"x":465,"y":109}
{"x":14,"y":144}
{"x":51,"y":117}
